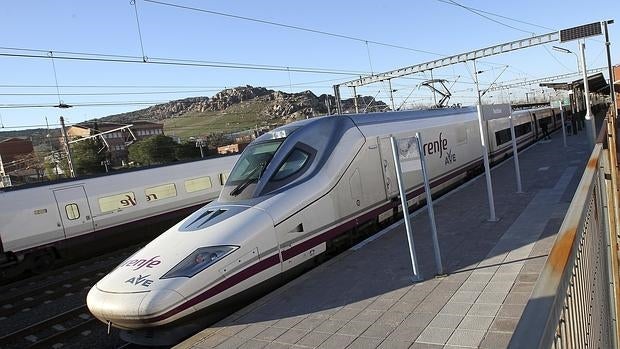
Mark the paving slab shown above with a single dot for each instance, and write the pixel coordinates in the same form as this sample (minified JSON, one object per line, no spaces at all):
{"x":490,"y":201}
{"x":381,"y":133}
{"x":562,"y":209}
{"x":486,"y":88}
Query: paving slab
{"x":366,"y":298}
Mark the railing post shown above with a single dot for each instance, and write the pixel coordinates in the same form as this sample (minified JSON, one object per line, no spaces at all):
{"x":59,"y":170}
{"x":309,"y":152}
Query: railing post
{"x":570,"y":305}
{"x":611,"y":241}
{"x":613,"y":166}
{"x":608,"y":247}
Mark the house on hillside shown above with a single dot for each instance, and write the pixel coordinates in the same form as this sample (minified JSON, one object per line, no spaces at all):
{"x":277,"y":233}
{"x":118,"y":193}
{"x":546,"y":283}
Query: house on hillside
{"x":16,"y":157}
{"x":116,"y":138}
{"x":231,"y":148}
{"x":14,"y":148}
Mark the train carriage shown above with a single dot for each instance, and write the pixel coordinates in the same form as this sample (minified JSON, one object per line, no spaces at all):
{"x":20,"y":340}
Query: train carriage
{"x":42,"y":223}
{"x":294,"y":194}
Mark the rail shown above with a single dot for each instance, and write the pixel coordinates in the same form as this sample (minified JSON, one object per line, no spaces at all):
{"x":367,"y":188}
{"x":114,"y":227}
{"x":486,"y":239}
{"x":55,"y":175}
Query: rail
{"x":575,"y":300}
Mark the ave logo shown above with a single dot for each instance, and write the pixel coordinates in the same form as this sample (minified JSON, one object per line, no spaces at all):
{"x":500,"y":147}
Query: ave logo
{"x":450,"y":157}
{"x":140,"y":280}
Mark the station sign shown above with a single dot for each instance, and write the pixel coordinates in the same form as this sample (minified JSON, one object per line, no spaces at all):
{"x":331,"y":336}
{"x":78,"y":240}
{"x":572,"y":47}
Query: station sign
{"x":495,"y":111}
{"x":582,"y":31}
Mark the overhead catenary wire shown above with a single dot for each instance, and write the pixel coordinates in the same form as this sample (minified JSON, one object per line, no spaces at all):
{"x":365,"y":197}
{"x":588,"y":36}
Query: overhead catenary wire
{"x":489,"y":18}
{"x":204,"y":88}
{"x":453,"y":3}
{"x":110,"y":58}
{"x":289,"y":26}
{"x":109,"y":93}
{"x":51,"y":55}
{"x":135,"y":7}
{"x":92,"y":104}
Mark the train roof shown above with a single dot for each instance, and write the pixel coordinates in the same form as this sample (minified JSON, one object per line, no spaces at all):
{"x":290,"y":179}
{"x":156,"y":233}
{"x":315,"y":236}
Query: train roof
{"x":376,"y":118}
{"x":111,"y":173}
{"x":369,"y":119}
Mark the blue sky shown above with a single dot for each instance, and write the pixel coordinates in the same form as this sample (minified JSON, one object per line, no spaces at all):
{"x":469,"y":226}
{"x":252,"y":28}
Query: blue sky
{"x":437,"y":26}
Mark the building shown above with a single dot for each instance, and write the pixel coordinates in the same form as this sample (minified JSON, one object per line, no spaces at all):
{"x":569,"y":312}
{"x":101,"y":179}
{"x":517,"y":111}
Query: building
{"x":232,"y":148}
{"x":16,"y":157}
{"x":116,"y":138}
{"x":14,"y":148}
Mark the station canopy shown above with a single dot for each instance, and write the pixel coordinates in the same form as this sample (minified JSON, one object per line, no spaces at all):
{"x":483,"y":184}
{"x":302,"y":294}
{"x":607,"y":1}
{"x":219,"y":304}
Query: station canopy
{"x":596,"y":84}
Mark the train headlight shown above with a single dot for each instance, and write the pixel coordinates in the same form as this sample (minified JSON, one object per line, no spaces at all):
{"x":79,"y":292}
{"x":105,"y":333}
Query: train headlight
{"x":199,"y":260}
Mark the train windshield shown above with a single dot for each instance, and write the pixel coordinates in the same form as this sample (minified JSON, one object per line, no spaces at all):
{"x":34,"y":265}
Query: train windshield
{"x":249,"y":169}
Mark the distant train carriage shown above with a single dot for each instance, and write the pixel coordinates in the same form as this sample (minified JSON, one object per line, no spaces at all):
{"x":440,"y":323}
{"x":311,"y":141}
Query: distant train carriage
{"x":41,"y":223}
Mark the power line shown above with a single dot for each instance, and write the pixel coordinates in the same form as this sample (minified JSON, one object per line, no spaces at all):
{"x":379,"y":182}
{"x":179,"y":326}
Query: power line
{"x":288,"y":26}
{"x":204,"y":88}
{"x":109,"y":58}
{"x":92,"y":104}
{"x":495,"y":14}
{"x":135,"y":7}
{"x":487,"y":17}
{"x":33,"y":126}
{"x":112,"y":86}
{"x":107,"y":93}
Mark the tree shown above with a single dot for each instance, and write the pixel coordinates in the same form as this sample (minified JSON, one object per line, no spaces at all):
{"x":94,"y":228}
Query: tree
{"x":187,"y":150}
{"x":87,"y":157}
{"x":51,"y":170}
{"x":153,"y":150}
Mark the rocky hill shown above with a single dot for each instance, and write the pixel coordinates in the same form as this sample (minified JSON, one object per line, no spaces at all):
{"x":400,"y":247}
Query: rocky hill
{"x":269,"y":105}
{"x":230,"y":110}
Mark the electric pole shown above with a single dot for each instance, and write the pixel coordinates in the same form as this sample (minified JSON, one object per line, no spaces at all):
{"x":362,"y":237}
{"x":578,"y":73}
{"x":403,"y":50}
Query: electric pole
{"x":66,"y":139}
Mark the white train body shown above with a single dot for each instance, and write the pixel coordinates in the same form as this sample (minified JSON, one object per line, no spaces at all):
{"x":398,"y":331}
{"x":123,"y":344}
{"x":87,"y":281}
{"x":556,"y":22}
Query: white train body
{"x":292,"y":193}
{"x":40,"y":221}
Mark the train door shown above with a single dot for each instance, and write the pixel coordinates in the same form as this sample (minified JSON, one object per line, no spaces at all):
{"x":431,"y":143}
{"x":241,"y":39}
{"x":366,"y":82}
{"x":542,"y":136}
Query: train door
{"x":74,"y":211}
{"x":387,"y":167}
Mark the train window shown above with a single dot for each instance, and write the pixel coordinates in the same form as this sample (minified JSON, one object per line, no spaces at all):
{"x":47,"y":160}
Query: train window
{"x":223,"y":177}
{"x":160,"y":192}
{"x":502,"y":136}
{"x":118,"y":201}
{"x":523,"y":129}
{"x":296,"y":163}
{"x":72,"y":211}
{"x":293,"y":163}
{"x":197,"y":184}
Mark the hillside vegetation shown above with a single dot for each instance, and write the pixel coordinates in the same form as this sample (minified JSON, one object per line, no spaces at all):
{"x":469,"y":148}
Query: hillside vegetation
{"x":230,"y":110}
{"x":237,"y":109}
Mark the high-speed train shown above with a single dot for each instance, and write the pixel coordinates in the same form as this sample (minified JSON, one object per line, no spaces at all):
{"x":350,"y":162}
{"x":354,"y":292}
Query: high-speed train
{"x":294,"y":194}
{"x":42,"y":223}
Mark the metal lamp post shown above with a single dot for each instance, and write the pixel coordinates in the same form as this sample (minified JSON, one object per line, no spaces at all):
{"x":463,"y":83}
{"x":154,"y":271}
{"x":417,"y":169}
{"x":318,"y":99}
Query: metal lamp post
{"x":565,"y":50}
{"x":485,"y":154}
{"x":590,"y":127}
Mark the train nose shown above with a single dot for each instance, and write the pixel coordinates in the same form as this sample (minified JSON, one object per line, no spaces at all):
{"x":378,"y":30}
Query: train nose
{"x":132,"y":310}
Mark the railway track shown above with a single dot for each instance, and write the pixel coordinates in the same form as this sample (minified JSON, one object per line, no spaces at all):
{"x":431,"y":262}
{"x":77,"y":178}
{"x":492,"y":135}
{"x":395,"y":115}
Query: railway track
{"x":47,"y":333}
{"x":30,"y":308}
{"x":25,"y":295}
{"x":24,"y":301}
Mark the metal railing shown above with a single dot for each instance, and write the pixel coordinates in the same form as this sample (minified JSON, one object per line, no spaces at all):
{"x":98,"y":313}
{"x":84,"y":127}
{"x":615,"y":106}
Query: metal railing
{"x":574,"y":302}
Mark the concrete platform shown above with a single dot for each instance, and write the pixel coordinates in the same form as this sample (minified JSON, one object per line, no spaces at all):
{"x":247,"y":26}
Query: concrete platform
{"x":364,"y":298}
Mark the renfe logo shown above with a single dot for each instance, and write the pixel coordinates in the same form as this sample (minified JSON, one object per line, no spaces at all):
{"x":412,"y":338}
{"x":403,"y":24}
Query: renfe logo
{"x":439,"y":146}
{"x":436,"y":146}
{"x":139,"y":263}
